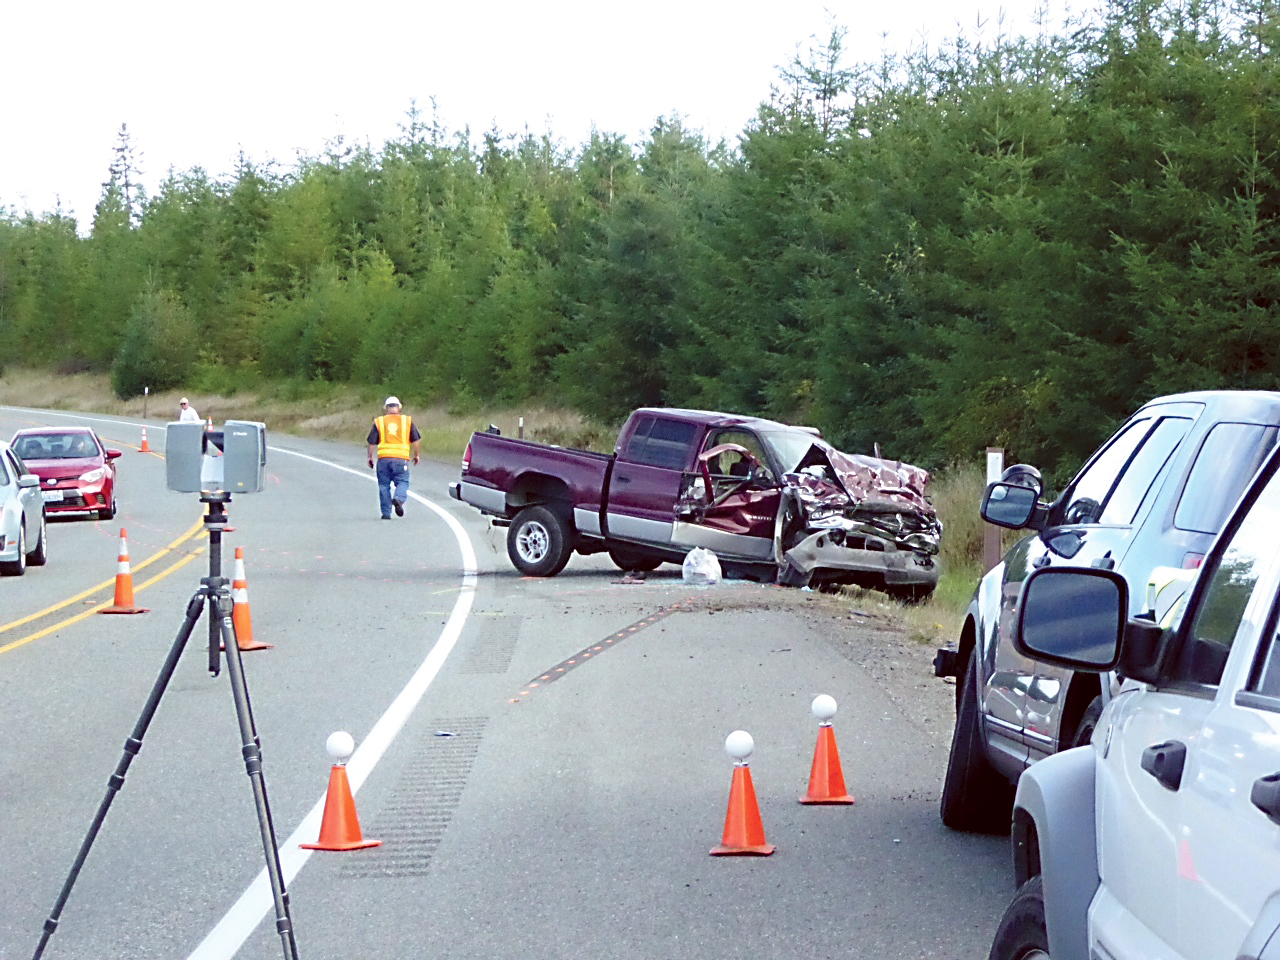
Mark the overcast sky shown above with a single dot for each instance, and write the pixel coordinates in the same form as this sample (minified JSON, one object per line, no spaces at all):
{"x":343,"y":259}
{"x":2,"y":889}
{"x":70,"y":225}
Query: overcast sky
{"x":198,"y":83}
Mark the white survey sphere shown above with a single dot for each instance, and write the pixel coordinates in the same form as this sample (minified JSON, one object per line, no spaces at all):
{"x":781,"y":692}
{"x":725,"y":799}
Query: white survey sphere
{"x":739,"y":744}
{"x":340,"y":745}
{"x":824,"y":707}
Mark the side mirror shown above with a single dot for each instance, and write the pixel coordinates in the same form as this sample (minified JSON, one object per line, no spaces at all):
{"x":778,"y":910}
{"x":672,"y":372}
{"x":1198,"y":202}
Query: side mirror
{"x":1073,"y":617}
{"x":114,"y":454}
{"x":28,"y":480}
{"x":1009,"y":504}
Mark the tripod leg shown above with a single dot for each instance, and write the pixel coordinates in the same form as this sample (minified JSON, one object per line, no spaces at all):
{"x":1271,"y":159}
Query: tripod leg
{"x":253,"y":767}
{"x":131,"y":748}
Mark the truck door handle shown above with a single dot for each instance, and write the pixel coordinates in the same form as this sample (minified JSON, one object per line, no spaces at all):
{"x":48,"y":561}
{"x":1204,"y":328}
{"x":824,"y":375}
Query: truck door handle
{"x":1265,"y":795}
{"x":621,"y":479}
{"x":1165,"y":761}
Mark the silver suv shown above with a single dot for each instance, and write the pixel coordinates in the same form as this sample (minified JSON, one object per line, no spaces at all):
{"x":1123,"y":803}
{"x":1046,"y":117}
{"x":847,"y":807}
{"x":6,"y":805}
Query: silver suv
{"x":1154,"y":495}
{"x":1162,"y":838}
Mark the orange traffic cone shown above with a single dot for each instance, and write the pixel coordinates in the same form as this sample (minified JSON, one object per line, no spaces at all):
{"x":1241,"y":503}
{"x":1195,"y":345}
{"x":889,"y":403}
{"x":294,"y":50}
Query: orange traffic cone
{"x":340,"y":827}
{"x":145,"y":448}
{"x":826,"y":780}
{"x":240,"y":608}
{"x":743,"y":829}
{"x":124,"y":582}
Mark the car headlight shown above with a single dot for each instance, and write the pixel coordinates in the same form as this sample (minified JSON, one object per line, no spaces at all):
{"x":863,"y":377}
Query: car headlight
{"x":93,"y":476}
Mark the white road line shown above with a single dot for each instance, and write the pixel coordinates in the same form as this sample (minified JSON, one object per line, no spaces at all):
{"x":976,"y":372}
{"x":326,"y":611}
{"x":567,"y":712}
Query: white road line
{"x":225,"y":940}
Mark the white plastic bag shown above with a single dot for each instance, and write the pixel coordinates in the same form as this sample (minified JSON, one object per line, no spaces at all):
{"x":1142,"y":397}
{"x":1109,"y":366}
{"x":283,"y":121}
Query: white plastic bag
{"x":701,"y":568}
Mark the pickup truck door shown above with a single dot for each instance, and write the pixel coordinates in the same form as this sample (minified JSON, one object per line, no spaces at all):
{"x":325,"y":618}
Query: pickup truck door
{"x":646,"y":477}
{"x":742,"y":503}
{"x":1097,"y":522}
{"x":1188,"y":812}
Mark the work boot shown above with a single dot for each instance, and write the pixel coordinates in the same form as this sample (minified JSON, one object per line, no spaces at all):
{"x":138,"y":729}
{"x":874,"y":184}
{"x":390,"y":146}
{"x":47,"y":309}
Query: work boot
{"x":399,"y":507}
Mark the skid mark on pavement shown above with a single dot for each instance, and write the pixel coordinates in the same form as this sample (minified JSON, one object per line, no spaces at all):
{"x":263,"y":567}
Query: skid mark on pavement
{"x":582,"y":656}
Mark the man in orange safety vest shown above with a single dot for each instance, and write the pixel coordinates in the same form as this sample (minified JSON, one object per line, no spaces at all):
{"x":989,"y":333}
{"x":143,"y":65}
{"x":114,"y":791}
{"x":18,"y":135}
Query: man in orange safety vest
{"x":394,"y":441}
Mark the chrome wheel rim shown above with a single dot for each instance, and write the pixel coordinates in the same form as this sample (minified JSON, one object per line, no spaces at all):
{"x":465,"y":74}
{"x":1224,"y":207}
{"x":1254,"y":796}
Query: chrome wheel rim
{"x":533,"y":542}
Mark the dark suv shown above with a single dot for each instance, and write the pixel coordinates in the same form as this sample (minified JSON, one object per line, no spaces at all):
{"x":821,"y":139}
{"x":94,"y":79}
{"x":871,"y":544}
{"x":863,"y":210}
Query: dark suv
{"x":1154,"y":495}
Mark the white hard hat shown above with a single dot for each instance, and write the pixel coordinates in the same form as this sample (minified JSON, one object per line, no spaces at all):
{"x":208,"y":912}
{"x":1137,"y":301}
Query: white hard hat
{"x":392,"y":402}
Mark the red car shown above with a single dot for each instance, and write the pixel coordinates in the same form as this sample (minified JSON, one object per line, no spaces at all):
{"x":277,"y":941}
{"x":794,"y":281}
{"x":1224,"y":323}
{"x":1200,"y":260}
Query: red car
{"x":77,"y":473}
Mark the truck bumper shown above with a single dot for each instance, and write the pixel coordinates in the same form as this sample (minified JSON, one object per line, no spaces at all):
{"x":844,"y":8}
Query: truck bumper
{"x":455,"y":490}
{"x":892,"y":567}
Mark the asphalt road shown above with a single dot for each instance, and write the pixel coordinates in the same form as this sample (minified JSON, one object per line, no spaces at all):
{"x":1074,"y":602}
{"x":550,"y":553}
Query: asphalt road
{"x":563,"y":818}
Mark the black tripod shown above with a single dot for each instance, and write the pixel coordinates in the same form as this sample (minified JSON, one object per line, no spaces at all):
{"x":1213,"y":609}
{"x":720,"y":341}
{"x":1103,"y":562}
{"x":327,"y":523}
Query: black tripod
{"x":213,"y":589}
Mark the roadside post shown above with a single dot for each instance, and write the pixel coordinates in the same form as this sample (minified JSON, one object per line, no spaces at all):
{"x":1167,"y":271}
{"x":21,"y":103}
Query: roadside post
{"x":990,"y":532}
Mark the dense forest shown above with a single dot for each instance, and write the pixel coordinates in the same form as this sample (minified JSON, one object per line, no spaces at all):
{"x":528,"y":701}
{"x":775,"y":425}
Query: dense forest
{"x":1013,"y":242}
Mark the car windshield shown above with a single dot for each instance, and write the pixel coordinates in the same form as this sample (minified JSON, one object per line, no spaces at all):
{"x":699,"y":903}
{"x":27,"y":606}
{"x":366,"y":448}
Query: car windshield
{"x":788,"y":446}
{"x":54,"y":446}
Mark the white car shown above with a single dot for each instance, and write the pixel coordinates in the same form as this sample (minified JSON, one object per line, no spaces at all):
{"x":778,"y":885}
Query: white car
{"x":23,"y":536}
{"x":1160,"y":839}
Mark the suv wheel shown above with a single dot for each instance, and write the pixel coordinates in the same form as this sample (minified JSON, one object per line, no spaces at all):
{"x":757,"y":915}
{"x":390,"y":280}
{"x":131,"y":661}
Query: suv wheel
{"x":975,"y":798}
{"x":1021,"y":934}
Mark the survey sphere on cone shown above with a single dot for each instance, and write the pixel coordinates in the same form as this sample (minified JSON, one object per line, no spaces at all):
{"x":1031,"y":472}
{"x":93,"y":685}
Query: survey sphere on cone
{"x":739,"y":745}
{"x":824,"y":707}
{"x":340,"y":745}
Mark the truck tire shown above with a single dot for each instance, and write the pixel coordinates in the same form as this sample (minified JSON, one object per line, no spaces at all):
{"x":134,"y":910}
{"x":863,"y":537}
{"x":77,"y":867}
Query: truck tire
{"x":975,"y":798}
{"x":539,"y":541}
{"x":1083,"y":733}
{"x":1022,"y":934}
{"x":627,"y":559}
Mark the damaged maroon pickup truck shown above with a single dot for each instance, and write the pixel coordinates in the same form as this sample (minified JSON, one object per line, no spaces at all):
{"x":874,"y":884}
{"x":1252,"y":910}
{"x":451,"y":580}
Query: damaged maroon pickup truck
{"x":774,"y":502}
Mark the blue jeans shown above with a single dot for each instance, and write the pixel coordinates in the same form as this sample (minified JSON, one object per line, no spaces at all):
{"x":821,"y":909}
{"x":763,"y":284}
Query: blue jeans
{"x":391,"y":471}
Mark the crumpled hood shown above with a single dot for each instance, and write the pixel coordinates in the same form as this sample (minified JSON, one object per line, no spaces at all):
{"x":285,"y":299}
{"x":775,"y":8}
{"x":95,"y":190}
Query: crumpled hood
{"x":862,"y":480}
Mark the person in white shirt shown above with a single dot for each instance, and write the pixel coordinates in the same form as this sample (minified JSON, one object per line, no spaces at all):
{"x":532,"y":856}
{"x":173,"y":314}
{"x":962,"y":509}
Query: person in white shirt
{"x":188,"y":412}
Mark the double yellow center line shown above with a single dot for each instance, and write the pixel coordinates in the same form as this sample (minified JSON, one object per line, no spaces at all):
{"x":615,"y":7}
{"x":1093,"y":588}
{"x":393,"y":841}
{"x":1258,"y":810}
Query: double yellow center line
{"x":177,"y":564}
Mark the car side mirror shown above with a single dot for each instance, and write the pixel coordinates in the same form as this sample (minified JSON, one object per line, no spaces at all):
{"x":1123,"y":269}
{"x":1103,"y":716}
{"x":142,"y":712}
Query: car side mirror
{"x":28,"y":480}
{"x":1073,"y":617}
{"x":114,"y":454}
{"x":1009,"y":504}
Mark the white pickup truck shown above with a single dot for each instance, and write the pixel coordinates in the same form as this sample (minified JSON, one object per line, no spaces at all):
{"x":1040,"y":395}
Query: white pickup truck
{"x":1160,"y":839}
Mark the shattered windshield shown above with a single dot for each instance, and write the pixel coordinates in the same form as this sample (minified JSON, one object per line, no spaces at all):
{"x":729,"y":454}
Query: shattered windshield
{"x":788,"y":446}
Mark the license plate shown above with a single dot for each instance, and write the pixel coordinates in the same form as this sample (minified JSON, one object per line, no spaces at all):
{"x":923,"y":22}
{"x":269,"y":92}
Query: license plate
{"x":51,"y":496}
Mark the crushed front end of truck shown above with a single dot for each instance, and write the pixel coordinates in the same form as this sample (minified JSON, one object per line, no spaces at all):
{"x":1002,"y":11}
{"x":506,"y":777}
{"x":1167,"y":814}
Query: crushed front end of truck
{"x":851,"y":519}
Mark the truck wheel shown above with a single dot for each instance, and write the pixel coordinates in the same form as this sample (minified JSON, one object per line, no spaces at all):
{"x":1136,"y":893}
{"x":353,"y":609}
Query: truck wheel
{"x":975,"y":798}
{"x":1088,"y":723}
{"x":539,"y":542}
{"x":634,"y":560}
{"x":1021,"y":934}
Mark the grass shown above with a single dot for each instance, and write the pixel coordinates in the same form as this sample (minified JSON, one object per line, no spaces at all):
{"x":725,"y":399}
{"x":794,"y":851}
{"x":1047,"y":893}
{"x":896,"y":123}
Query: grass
{"x":339,"y":412}
{"x":326,"y":411}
